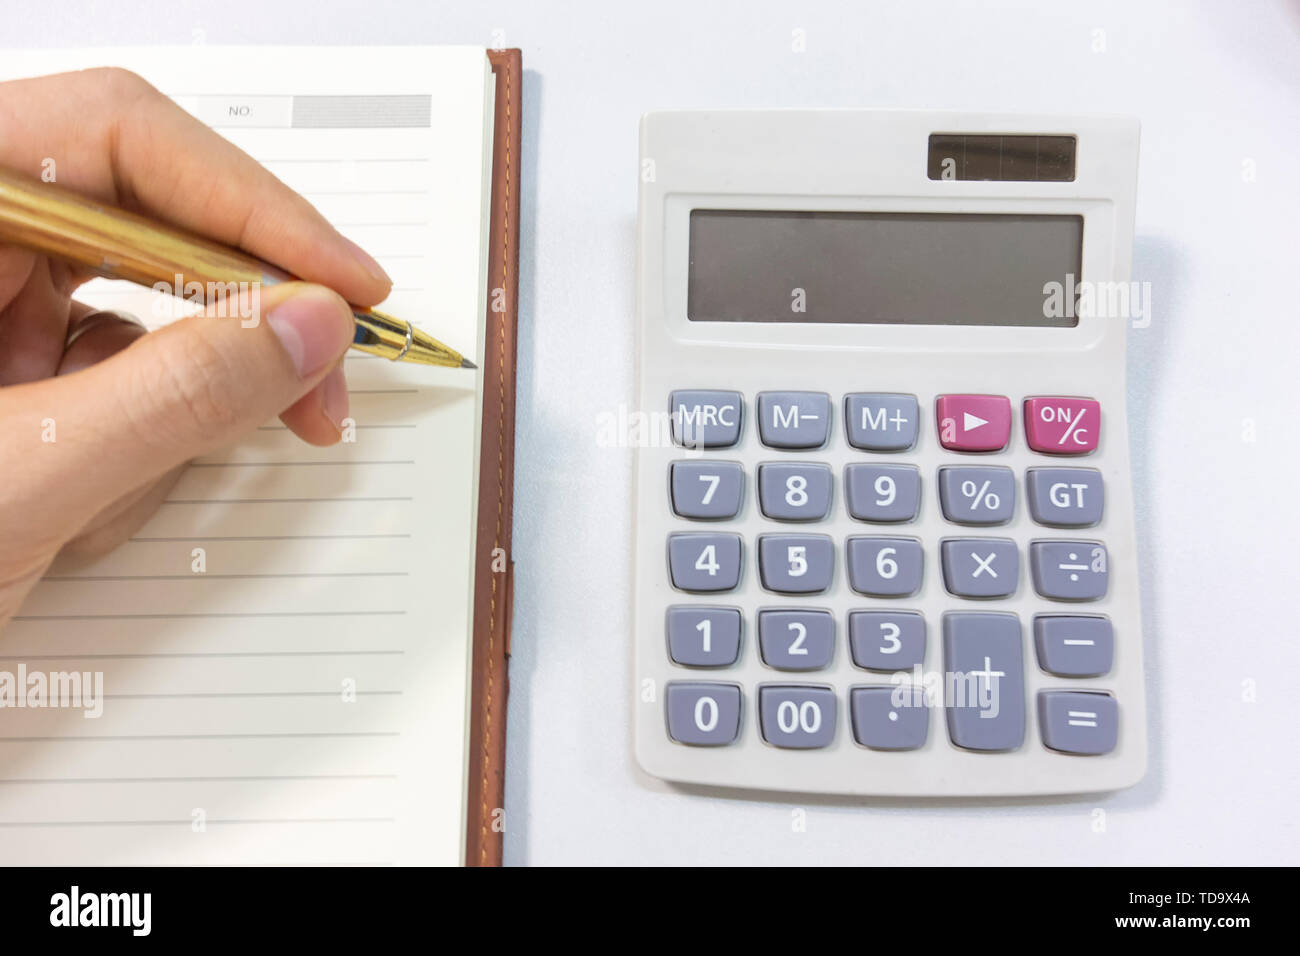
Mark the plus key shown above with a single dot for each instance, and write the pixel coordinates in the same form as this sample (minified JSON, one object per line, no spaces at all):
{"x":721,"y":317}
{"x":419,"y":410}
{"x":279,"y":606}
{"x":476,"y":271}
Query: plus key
{"x":1062,"y":426}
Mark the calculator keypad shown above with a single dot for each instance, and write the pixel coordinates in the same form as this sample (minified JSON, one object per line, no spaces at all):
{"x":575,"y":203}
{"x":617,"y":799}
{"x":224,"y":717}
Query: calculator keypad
{"x":703,"y":714}
{"x":796,"y":640}
{"x":1062,"y":426}
{"x":986,"y":699}
{"x":703,"y":636}
{"x":881,"y":421}
{"x":1070,"y":645}
{"x":885,"y":567}
{"x":1065,"y":497}
{"x":704,"y":562}
{"x":973,"y":422}
{"x":1070,"y":570}
{"x":977,"y":495}
{"x":889,"y":718}
{"x":796,"y":716}
{"x":980,"y":567}
{"x":981,"y":650}
{"x":794,"y":419}
{"x":708,"y":490}
{"x":886,"y":640}
{"x":882,"y":493}
{"x":1077,"y":722}
{"x":705,"y":418}
{"x":795,"y":563}
{"x":794,"y":492}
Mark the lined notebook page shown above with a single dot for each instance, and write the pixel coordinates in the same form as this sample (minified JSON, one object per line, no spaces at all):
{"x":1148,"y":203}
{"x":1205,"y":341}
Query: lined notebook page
{"x":303,"y":697}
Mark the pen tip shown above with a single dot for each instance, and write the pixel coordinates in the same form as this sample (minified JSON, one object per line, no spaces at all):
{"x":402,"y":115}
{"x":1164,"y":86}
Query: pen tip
{"x":466,"y":363}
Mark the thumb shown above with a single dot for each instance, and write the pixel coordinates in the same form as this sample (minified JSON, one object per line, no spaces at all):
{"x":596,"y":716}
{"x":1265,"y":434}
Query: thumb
{"x":84,"y":440}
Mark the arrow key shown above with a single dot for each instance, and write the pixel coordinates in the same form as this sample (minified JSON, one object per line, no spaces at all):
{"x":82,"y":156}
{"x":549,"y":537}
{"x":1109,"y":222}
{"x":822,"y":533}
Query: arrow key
{"x":973,"y":422}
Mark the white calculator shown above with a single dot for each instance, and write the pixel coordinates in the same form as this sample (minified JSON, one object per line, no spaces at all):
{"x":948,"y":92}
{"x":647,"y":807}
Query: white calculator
{"x":883,"y":511}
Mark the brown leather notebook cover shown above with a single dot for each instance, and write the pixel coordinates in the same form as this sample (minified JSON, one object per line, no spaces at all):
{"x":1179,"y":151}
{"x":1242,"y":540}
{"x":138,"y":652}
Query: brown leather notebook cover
{"x":494,"y":566}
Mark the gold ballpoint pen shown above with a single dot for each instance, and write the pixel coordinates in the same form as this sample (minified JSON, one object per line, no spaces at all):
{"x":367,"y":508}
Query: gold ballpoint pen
{"x":118,"y":244}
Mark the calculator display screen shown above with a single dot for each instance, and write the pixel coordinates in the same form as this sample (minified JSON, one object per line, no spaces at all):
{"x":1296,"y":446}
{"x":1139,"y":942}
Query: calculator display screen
{"x":883,"y":268}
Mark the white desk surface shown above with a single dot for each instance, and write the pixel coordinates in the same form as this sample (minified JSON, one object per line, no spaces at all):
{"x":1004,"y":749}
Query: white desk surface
{"x":1217,"y":88}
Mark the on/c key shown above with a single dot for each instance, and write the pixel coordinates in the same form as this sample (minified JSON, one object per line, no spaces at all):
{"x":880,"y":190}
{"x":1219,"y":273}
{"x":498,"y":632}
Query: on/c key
{"x":1062,"y":426}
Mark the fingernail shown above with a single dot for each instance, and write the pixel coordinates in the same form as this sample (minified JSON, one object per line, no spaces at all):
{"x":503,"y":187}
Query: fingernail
{"x":314,"y":325}
{"x":368,"y":263}
{"x":334,"y":397}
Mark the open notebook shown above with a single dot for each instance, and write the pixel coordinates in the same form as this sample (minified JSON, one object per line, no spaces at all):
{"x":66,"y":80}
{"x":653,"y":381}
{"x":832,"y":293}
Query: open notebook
{"x":303,"y":652}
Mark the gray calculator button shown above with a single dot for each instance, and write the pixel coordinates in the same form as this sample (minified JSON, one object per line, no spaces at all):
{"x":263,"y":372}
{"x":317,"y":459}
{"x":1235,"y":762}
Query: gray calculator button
{"x":798,"y":717}
{"x":796,"y":640}
{"x":703,"y":714}
{"x":889,"y":718}
{"x":705,"y":418}
{"x":1065,"y":497}
{"x":1074,"y":645}
{"x":795,"y":563}
{"x":1078,"y":722}
{"x":885,"y":567}
{"x":882,"y":492}
{"x":886,"y":640}
{"x":704,"y":562}
{"x":707,"y":489}
{"x":1069,"y":570}
{"x":794,"y":492}
{"x":984,"y":494}
{"x":881,"y":421}
{"x":984,"y":680}
{"x":980,"y":567}
{"x":794,"y":419}
{"x":703,"y":636}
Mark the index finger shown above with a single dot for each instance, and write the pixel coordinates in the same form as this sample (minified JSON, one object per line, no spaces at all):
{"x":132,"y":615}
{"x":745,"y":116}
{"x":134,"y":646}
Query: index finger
{"x":116,"y":138}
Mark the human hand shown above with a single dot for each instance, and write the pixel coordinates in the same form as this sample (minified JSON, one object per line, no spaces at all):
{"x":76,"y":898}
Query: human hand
{"x":126,"y":409}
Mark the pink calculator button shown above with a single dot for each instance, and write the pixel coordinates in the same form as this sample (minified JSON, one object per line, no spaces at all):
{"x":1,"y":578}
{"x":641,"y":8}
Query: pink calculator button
{"x":973,"y":422}
{"x":1062,"y":426}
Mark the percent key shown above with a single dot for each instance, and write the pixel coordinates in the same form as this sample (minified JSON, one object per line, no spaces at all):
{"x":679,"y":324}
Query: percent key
{"x":977,"y":494}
